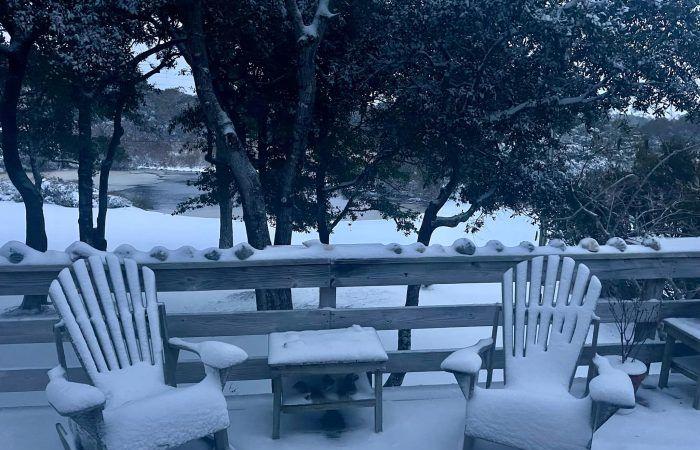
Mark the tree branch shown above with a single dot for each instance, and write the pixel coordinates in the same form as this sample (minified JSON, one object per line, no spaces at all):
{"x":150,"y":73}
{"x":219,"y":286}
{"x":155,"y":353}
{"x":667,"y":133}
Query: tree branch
{"x":153,"y":50}
{"x":453,"y":221}
{"x":555,"y":100}
{"x":309,"y":32}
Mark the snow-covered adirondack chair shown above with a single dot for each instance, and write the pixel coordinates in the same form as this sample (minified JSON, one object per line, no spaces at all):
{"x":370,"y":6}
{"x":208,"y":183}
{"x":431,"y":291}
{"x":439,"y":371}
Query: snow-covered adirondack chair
{"x":117,"y":327}
{"x":545,"y":324}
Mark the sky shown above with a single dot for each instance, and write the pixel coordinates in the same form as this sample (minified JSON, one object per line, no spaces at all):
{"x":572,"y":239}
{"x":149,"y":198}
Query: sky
{"x":172,"y":78}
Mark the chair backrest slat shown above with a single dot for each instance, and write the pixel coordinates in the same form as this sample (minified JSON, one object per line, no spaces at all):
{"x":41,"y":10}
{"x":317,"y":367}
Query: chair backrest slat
{"x":534,"y":316}
{"x":125,"y":315}
{"x":80,"y":314}
{"x":110,"y":328}
{"x":98,"y":323}
{"x":99,"y":277}
{"x":545,"y":325}
{"x":137,"y":305}
{"x":520,"y":308}
{"x":149,"y":282}
{"x":59,"y":300}
{"x":507,"y":289}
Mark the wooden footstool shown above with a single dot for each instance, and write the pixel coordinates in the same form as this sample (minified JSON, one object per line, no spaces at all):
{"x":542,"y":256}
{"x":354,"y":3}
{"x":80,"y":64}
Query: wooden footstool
{"x":326,"y":352}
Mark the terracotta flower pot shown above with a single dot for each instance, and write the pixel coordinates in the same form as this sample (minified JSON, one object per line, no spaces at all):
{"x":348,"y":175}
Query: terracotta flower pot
{"x":636,"y":369}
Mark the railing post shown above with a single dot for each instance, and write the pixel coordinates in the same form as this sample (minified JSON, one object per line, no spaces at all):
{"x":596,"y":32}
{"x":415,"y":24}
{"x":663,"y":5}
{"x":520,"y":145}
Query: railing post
{"x":326,"y":297}
{"x":651,"y":290}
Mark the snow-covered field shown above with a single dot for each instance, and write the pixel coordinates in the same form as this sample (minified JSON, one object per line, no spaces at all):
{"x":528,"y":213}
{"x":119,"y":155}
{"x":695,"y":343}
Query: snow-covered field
{"x":144,"y":229}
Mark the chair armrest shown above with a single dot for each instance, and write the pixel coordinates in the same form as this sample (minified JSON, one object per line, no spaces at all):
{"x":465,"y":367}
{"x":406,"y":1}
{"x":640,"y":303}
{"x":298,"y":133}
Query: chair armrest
{"x":611,"y":386}
{"x":218,"y":355}
{"x":68,"y":398}
{"x":467,"y":360}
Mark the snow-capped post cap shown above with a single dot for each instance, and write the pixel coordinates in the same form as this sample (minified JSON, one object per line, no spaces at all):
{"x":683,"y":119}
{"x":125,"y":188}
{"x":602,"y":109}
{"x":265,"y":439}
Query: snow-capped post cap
{"x":418,"y":246}
{"x":651,"y":242}
{"x":212,"y":254}
{"x":80,"y":250}
{"x":557,"y":243}
{"x":186,"y":251}
{"x":243,"y":251}
{"x":527,"y":245}
{"x":311,"y":243}
{"x":495,"y":245}
{"x":125,"y":251}
{"x":464,"y":246}
{"x":315,"y":243}
{"x":159,"y":252}
{"x":589,"y":244}
{"x":394,"y":247}
{"x":15,"y":251}
{"x":617,"y":243}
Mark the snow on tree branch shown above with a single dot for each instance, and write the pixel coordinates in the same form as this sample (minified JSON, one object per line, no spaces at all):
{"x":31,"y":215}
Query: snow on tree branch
{"x":308,"y":33}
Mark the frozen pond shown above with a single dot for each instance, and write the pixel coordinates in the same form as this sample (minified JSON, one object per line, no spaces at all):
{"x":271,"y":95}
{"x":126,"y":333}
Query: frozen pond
{"x":163,"y":190}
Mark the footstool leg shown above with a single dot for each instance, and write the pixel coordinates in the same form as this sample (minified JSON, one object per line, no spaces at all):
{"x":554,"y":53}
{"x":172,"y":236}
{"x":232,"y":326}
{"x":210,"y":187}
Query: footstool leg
{"x":276,"y":406}
{"x":666,"y":361}
{"x":378,"y":401}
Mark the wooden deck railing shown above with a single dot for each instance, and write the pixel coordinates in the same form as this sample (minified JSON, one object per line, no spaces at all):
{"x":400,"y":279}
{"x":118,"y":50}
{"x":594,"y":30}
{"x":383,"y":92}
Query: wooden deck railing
{"x":328,"y":274}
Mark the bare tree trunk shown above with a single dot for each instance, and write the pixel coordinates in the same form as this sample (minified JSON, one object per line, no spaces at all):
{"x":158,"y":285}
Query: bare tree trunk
{"x":425,"y":232}
{"x":223,"y":181}
{"x":99,"y":235}
{"x":413,"y":291}
{"x":306,"y":80}
{"x":324,"y":230}
{"x":86,"y":164}
{"x":306,"y":90}
{"x":35,"y":166}
{"x":35,"y":225}
{"x":229,"y":148}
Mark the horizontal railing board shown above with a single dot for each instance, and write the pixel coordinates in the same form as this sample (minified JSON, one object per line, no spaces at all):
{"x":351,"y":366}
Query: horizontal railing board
{"x":177,"y":277}
{"x":38,"y":330}
{"x":400,"y":272}
{"x":256,"y":368}
{"x":26,"y":279}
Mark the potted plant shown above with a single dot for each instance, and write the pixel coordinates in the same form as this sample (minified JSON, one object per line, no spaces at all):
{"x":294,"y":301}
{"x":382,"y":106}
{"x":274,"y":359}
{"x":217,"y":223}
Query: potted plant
{"x":635,"y":322}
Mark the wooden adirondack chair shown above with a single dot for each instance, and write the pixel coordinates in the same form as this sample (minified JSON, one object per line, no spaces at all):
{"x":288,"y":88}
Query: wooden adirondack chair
{"x":118,"y":330}
{"x":544,"y":330}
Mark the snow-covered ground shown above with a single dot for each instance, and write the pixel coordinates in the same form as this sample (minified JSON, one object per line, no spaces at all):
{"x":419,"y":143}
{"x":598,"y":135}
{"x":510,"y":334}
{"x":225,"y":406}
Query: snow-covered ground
{"x":415,"y":418}
{"x":145,"y":229}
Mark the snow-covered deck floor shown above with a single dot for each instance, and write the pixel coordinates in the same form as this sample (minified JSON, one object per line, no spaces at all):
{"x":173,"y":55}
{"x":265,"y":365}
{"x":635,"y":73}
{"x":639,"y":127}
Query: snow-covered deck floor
{"x":418,"y":417}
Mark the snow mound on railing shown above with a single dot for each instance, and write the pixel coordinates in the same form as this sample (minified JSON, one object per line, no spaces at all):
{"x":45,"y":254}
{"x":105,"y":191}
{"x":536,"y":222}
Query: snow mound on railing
{"x":14,"y":253}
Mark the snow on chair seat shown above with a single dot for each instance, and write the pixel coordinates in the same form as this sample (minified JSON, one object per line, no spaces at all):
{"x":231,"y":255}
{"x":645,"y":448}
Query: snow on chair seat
{"x":109,"y":310}
{"x":530,"y":419}
{"x":548,"y":308}
{"x":167,"y":419}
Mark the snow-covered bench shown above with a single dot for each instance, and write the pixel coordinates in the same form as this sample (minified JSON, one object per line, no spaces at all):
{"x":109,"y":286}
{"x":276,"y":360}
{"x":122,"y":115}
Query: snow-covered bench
{"x":685,"y":331}
{"x":118,"y":331}
{"x":545,"y":324}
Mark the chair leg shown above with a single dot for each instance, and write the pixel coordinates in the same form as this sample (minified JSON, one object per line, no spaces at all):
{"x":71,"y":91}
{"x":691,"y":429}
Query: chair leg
{"x":221,"y":440}
{"x":68,"y":439}
{"x":469,"y":443}
{"x":666,"y":361}
{"x":276,"y":406}
{"x":696,"y":402}
{"x":378,"y":401}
